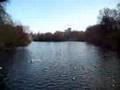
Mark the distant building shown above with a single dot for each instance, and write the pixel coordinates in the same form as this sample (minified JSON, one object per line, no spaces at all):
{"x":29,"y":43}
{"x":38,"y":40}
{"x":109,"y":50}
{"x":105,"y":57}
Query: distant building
{"x":68,"y":34}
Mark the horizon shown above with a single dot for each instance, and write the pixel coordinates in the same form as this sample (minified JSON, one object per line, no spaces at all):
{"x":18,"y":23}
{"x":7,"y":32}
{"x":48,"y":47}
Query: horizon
{"x":50,"y":15}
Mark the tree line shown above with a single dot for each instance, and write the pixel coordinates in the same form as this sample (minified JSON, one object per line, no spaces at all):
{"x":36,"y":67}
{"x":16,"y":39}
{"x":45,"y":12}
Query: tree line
{"x":67,"y":35}
{"x":105,"y":33}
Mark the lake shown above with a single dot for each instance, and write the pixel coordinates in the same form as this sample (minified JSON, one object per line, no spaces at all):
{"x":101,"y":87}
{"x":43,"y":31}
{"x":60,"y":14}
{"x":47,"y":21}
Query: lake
{"x":59,"y":66}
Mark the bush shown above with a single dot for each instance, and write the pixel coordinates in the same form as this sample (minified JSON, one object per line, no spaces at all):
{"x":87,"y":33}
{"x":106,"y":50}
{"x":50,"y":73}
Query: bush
{"x":113,"y":40}
{"x":12,"y":36}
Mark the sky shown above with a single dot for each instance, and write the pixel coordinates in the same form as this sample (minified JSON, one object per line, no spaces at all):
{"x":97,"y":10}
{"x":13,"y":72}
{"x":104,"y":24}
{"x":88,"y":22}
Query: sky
{"x":57,"y":15}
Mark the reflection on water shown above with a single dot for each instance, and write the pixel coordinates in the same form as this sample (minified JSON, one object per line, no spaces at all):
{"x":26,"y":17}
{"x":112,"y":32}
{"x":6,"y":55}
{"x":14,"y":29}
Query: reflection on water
{"x":59,"y":66}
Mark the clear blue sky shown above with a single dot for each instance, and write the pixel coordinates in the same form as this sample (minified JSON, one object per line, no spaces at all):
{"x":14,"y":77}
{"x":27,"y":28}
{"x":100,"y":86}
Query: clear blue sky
{"x":52,"y":15}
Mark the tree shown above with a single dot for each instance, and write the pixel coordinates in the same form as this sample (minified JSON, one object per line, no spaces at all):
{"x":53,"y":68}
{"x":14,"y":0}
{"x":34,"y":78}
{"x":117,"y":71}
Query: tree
{"x":107,"y":31}
{"x":107,"y":16}
{"x":4,"y":16}
{"x":110,"y":18}
{"x":58,"y":36}
{"x":3,"y":1}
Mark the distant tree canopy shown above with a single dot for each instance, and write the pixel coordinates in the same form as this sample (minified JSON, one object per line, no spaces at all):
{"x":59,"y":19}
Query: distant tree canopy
{"x":67,"y":35}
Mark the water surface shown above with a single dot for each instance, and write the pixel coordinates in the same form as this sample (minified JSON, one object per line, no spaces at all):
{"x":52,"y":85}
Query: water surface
{"x":59,"y":66}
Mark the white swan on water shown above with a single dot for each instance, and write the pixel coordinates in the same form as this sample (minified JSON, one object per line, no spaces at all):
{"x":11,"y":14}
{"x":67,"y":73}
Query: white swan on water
{"x":1,"y":68}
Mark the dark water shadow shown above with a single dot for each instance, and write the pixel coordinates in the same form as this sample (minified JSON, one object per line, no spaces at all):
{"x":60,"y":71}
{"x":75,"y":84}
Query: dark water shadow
{"x":9,"y":61}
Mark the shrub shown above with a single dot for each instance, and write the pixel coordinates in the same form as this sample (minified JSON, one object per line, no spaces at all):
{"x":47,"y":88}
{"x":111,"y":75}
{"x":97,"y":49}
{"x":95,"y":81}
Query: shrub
{"x":12,"y":36}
